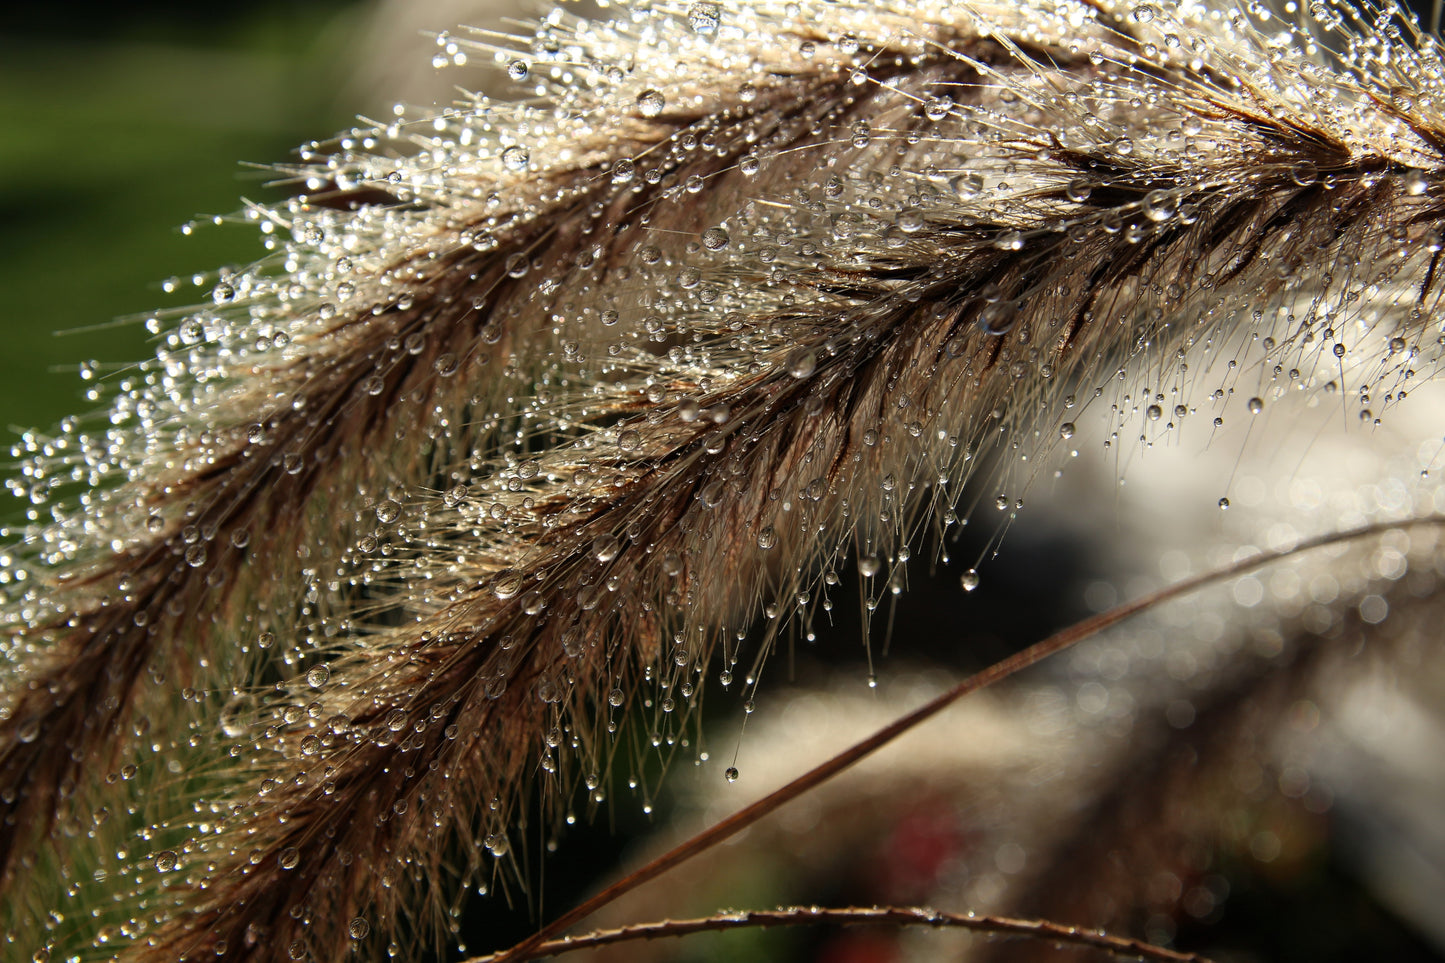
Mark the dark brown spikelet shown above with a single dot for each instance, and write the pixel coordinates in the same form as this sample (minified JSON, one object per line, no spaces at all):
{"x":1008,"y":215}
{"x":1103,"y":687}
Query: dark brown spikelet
{"x":538,"y":411}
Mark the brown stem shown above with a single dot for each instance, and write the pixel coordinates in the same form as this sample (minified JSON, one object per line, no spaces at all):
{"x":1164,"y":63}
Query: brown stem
{"x":859,"y":916}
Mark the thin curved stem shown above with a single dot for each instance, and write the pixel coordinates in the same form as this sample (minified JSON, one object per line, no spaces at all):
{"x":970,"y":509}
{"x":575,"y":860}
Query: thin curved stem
{"x":858,"y":916}
{"x":1034,"y":654}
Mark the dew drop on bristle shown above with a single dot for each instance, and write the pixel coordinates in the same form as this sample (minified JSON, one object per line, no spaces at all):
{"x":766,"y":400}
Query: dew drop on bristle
{"x":650,"y":102}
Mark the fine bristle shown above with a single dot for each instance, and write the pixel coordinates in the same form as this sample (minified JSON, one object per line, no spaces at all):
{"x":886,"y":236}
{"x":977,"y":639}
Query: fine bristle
{"x":538,"y":414}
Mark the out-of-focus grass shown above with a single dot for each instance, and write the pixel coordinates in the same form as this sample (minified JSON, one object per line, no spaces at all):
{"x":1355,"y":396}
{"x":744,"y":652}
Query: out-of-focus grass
{"x":108,"y":144}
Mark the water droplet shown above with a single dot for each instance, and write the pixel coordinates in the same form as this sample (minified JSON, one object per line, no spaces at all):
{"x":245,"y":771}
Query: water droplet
{"x":869,"y":566}
{"x":196,"y":555}
{"x":937,"y":108}
{"x":518,"y":70}
{"x":767,"y":538}
{"x":1066,"y":430}
{"x":387,"y":511}
{"x":715,"y":239}
{"x":1223,"y":504}
{"x":732,"y":774}
{"x":998,"y":317}
{"x":801,"y":362}
{"x":1154,"y":412}
{"x":623,"y":171}
{"x":651,"y":102}
{"x":358,"y":928}
{"x":166,"y":860}
{"x":506,"y":584}
{"x":969,"y":580}
{"x":703,"y":18}
{"x":1144,"y":13}
{"x":749,"y":164}
{"x":516,"y":158}
{"x":1255,"y":405}
{"x":967,"y":185}
{"x":1159,"y":205}
{"x":606,"y":547}
{"x":290,"y":858}
{"x":318,"y":675}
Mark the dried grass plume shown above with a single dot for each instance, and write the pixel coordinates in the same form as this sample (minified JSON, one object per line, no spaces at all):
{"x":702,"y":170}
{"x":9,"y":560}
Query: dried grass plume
{"x":541,"y":413}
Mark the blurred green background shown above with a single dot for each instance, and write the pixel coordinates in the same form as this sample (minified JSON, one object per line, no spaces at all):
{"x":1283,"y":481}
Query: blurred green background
{"x":121,"y":123}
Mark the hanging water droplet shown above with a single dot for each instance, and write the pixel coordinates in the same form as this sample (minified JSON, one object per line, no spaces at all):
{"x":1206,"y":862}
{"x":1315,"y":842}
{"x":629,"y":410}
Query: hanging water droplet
{"x":1223,"y":504}
{"x":358,"y":928}
{"x":318,"y":675}
{"x":767,"y":538}
{"x":969,"y":580}
{"x":1255,"y":405}
{"x":869,"y":566}
{"x":1066,"y":430}
{"x":732,"y":774}
{"x":387,"y":511}
{"x":289,"y":858}
{"x":166,"y":861}
{"x":715,"y":239}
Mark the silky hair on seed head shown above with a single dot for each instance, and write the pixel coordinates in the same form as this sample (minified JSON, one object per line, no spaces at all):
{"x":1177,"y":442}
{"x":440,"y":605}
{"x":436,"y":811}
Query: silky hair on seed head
{"x":541,"y":414}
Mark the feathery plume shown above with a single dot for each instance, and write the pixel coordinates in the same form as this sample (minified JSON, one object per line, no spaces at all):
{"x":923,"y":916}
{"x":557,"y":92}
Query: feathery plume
{"x":536,"y":410}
